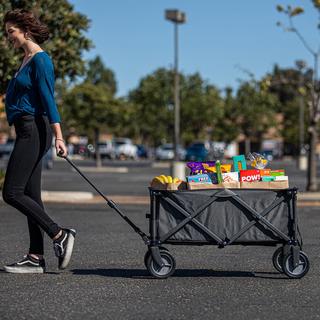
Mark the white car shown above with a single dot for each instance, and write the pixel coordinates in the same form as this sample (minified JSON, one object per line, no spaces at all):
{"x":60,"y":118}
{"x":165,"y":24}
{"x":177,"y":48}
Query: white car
{"x":107,"y":149}
{"x":125,"y":149}
{"x":166,"y":152}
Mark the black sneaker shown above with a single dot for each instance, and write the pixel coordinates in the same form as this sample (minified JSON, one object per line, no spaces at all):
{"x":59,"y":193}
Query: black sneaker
{"x":63,"y":247}
{"x":27,"y":265}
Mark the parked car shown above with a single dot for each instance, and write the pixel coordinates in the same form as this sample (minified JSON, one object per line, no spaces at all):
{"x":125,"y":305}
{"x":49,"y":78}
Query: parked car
{"x":125,"y":149}
{"x":197,"y":152}
{"x":107,"y":149}
{"x":166,"y":152}
{"x":80,"y":149}
{"x":6,"y":148}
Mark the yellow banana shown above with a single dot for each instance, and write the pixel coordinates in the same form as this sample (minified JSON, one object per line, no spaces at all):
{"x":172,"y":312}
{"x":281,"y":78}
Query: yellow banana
{"x":158,"y":179}
{"x":169,"y":178}
{"x":176,"y":180}
{"x":164,"y":178}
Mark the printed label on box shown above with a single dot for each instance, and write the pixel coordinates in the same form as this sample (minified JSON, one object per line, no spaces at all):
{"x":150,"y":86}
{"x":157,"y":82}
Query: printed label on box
{"x":199,"y":178}
{"x":265,"y":172}
{"x":230,"y":176}
{"x":250,"y":175}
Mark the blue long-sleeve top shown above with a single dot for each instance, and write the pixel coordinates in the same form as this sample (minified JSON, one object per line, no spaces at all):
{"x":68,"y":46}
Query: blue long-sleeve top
{"x":32,"y":90}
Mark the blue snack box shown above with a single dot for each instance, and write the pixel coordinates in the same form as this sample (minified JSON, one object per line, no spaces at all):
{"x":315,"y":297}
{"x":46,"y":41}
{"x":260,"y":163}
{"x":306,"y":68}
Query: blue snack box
{"x":203,"y":178}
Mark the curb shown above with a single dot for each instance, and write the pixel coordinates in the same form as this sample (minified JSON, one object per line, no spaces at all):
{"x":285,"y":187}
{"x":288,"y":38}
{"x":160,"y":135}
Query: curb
{"x":305,"y":199}
{"x":103,"y":169}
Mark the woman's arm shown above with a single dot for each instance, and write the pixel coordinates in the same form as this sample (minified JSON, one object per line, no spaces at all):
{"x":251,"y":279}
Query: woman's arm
{"x":59,"y":143}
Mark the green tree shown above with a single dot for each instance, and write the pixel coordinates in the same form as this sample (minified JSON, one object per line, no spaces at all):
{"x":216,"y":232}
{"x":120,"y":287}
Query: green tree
{"x":228,"y":126}
{"x":67,"y":39}
{"x":154,"y":106}
{"x":256,"y":110}
{"x":90,"y":108}
{"x":314,"y":99}
{"x":291,"y":86}
{"x":97,"y":73}
{"x":201,"y":108}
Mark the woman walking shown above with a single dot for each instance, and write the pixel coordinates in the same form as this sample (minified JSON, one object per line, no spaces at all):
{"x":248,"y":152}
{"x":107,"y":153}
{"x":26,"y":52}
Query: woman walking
{"x":31,"y":108}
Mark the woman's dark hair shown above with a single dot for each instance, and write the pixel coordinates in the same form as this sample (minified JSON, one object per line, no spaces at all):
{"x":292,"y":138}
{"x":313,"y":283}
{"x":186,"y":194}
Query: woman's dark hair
{"x":29,"y":23}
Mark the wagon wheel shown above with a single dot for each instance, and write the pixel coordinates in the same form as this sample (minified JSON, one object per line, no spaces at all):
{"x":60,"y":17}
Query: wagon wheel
{"x":148,"y":253}
{"x":277,"y":259}
{"x":300,"y":270}
{"x":161,"y":272}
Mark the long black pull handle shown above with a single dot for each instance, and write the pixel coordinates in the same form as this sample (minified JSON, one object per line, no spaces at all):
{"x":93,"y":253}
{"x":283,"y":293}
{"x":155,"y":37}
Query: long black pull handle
{"x":109,"y":202}
{"x":85,"y":178}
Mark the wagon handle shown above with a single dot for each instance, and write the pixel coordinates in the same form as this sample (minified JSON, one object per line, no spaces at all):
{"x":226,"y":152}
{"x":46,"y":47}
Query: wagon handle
{"x":110,"y":203}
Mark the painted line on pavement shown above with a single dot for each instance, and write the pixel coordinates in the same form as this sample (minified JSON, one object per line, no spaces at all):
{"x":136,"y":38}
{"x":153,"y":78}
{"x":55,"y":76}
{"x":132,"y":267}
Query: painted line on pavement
{"x":103,"y":169}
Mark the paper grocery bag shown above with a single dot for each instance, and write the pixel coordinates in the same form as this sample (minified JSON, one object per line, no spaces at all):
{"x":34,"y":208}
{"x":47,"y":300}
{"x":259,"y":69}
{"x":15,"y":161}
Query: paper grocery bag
{"x":265,"y":185}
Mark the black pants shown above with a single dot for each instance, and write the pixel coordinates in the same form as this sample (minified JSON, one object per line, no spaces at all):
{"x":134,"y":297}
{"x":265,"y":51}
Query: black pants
{"x":22,"y":185}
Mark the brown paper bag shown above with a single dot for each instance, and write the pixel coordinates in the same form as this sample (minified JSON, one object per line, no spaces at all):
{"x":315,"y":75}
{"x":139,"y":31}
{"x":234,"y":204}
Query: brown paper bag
{"x":223,"y":185}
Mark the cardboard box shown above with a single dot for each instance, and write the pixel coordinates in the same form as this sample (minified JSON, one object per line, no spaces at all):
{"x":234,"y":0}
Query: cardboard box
{"x":265,"y":185}
{"x":169,"y":186}
{"x":223,"y":185}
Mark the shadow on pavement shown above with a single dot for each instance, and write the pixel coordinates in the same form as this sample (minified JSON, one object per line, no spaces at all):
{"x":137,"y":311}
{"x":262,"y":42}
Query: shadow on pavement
{"x":180,"y":273}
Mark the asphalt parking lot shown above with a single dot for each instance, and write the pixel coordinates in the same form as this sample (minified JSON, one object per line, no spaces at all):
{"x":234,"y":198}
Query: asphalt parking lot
{"x":107,"y":278}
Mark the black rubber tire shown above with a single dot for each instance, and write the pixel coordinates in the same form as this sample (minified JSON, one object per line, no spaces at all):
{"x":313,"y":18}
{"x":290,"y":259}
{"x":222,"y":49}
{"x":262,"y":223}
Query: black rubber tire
{"x":162,"y":272}
{"x":299,"y":271}
{"x":277,"y":259}
{"x":148,"y":253}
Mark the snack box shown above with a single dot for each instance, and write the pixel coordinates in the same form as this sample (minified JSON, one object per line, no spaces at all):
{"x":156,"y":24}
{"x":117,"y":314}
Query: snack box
{"x":267,"y":178}
{"x":281,"y":178}
{"x":276,"y":173}
{"x":200,"y":178}
{"x":265,"y":172}
{"x":250,"y":175}
{"x":230,"y":176}
{"x":224,"y":168}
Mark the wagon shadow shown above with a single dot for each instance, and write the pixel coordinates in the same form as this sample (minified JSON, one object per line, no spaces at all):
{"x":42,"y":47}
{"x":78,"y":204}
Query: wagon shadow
{"x":179,"y":273}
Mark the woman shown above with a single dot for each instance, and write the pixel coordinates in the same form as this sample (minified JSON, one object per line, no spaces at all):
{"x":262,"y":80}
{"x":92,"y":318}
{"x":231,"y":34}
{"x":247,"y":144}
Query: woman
{"x":31,"y":108}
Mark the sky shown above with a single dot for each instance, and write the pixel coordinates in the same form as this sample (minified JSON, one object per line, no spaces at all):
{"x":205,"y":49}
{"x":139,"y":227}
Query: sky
{"x":220,"y":39}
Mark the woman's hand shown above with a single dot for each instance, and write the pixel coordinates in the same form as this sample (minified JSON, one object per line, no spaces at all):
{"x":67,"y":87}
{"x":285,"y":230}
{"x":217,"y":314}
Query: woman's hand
{"x":61,"y":148}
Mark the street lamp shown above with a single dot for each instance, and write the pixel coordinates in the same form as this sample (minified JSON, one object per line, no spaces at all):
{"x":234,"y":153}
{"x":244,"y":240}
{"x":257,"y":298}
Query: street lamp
{"x":302,"y":161}
{"x":177,"y":17}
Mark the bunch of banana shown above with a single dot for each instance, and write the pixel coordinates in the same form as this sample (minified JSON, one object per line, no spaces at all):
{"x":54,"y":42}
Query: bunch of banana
{"x":165,"y":179}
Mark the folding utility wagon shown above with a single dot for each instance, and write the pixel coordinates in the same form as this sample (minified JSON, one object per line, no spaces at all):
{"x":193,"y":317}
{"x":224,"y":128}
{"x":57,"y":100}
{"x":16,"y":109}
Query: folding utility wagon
{"x":220,"y":217}
{"x":225,"y":217}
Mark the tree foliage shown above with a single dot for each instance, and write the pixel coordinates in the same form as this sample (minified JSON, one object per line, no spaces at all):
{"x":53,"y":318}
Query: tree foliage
{"x":67,"y":39}
{"x":256,"y":110}
{"x":314,"y":99}
{"x":201,"y":107}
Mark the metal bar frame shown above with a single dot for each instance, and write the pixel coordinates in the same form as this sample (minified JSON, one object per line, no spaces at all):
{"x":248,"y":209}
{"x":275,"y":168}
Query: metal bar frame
{"x":259,"y":218}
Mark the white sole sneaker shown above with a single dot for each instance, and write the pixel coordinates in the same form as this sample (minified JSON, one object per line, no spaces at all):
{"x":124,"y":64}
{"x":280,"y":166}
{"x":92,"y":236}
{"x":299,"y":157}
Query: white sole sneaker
{"x":65,"y":260}
{"x":23,"y":269}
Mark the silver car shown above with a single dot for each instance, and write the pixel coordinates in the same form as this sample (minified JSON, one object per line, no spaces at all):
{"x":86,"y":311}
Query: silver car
{"x":166,"y":152}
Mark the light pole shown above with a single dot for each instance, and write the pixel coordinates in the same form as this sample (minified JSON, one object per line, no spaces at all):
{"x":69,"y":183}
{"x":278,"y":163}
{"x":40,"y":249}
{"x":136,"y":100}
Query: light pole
{"x":302,"y":161}
{"x":177,"y":17}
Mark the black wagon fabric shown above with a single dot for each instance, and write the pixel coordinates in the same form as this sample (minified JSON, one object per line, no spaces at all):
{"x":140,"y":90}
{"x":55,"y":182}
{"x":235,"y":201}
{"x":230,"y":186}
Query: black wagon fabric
{"x":224,"y":215}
